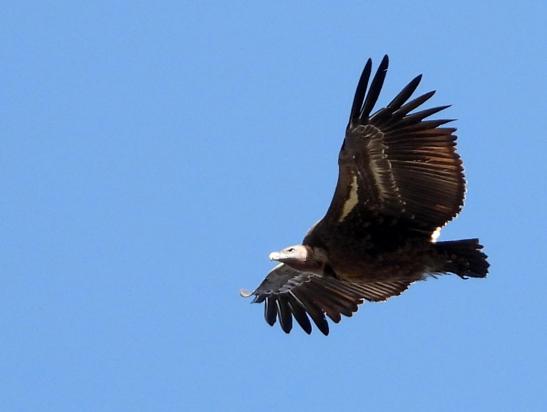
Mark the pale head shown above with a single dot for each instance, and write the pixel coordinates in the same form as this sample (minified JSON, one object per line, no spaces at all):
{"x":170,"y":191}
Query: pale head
{"x":302,"y":257}
{"x":297,"y":254}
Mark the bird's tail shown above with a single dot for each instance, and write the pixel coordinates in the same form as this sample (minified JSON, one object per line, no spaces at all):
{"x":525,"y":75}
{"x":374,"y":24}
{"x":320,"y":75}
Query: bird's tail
{"x":463,"y":257}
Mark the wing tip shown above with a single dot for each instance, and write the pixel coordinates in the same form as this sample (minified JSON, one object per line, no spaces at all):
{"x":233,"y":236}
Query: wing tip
{"x":244,"y":293}
{"x":384,"y":64}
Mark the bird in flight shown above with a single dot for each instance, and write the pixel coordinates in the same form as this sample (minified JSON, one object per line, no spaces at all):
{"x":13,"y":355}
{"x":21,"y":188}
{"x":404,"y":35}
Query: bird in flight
{"x":400,"y":180}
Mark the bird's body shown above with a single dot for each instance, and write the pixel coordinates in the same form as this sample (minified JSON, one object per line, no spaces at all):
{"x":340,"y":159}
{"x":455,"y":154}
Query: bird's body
{"x":408,"y":262}
{"x":400,"y":180}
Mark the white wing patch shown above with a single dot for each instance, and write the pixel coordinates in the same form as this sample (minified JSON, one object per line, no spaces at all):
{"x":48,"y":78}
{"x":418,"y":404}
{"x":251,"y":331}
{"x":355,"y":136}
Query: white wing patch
{"x":379,"y":164}
{"x":435,"y":235}
{"x":352,"y":199}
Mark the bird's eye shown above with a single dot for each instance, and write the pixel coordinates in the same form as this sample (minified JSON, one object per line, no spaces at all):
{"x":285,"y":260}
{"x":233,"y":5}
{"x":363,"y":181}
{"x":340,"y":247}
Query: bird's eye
{"x":291,"y":249}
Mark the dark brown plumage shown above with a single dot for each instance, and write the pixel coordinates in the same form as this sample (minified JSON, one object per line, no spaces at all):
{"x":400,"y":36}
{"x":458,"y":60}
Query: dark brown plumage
{"x":400,"y":180}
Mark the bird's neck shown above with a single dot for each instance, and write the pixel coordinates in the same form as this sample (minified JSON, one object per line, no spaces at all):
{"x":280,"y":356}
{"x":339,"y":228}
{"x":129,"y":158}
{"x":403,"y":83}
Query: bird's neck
{"x":316,"y":262}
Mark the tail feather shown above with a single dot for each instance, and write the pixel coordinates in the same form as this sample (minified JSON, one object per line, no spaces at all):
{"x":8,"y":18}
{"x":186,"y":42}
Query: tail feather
{"x":464,"y":257}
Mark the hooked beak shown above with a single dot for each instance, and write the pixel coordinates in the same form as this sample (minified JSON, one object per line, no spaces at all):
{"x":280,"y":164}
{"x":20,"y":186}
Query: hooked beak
{"x":275,"y":256}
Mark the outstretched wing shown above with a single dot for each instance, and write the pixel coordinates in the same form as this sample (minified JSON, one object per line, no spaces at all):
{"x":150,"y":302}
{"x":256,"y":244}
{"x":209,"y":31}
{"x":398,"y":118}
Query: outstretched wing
{"x":395,"y":163}
{"x":289,"y":293}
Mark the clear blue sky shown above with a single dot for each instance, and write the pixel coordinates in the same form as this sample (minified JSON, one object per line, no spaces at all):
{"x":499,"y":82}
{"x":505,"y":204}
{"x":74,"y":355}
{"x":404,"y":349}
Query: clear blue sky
{"x":153,"y":154}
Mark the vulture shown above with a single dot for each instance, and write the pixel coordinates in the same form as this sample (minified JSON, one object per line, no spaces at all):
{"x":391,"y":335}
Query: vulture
{"x":400,"y":180}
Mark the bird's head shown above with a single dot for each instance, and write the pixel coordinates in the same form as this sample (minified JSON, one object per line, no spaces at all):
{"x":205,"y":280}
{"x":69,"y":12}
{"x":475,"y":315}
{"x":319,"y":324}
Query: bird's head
{"x":293,"y":255}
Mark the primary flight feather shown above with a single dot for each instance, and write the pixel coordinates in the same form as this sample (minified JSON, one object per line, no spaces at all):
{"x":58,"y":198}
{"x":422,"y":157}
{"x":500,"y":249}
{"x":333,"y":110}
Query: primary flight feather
{"x":400,"y":180}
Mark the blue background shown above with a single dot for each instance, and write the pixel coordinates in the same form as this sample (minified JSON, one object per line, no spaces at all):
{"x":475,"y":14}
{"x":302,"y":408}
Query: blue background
{"x":154,"y":154}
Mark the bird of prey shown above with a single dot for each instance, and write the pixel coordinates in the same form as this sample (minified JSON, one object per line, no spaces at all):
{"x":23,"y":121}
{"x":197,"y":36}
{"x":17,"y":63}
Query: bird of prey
{"x":400,"y":180}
